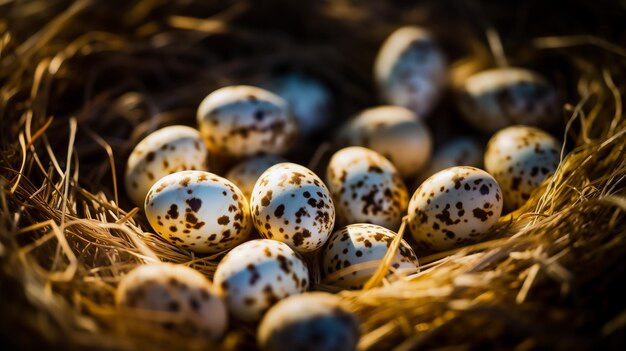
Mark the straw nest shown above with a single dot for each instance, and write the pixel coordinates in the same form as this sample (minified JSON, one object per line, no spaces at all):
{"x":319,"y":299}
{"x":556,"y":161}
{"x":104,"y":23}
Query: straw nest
{"x":81,"y":82}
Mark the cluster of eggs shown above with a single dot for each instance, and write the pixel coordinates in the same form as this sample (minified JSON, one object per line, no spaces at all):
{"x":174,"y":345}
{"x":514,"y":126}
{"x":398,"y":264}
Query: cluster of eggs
{"x":346,"y":221}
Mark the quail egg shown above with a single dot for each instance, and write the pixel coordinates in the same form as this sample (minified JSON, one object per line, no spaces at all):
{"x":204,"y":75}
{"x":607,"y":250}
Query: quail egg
{"x":242,"y":121}
{"x":199,"y":211}
{"x":454,"y":207}
{"x":171,"y":297}
{"x":366,"y":188}
{"x":291,"y":204}
{"x":363,"y":243}
{"x":165,"y":151}
{"x":496,"y":98}
{"x":394,"y":132}
{"x":411,"y":70}
{"x":520,"y":159}
{"x":256,"y":274}
{"x":315,"y":321}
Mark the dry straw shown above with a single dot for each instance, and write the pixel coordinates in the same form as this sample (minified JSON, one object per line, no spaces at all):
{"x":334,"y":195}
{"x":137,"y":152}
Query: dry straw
{"x":80,"y":83}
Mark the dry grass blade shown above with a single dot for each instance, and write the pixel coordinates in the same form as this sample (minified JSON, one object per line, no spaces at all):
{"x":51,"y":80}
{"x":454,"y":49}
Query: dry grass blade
{"x":385,"y":264}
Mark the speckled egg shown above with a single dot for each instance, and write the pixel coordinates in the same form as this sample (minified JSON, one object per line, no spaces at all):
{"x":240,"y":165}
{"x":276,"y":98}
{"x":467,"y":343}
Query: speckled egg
{"x":291,"y":204}
{"x":247,"y":172}
{"x":462,"y":151}
{"x":315,"y":321}
{"x":244,"y":121}
{"x":165,"y":151}
{"x":171,"y":297}
{"x":411,"y":70}
{"x":362,"y":243}
{"x":454,"y":207}
{"x":521,"y":158}
{"x":500,"y":97}
{"x":256,"y":274}
{"x":393,"y":131}
{"x":309,"y":100}
{"x":198,"y":211}
{"x":366,"y":188}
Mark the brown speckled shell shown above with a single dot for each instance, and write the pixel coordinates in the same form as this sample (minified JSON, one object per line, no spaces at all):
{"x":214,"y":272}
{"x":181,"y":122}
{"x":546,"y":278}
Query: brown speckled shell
{"x":454,"y":207}
{"x":520,"y":158}
{"x":500,"y":97}
{"x":366,"y":188}
{"x":315,"y":321}
{"x":244,"y":121}
{"x":255,"y":275}
{"x":171,"y":297}
{"x":359,"y":243}
{"x":199,"y":211}
{"x":394,"y":132}
{"x":411,"y":70}
{"x":291,"y":204}
{"x":165,"y":151}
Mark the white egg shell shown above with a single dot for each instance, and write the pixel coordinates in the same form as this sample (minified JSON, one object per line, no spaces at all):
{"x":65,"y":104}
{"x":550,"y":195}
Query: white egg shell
{"x":291,"y":204}
{"x":366,"y":188}
{"x":256,"y":274}
{"x":164,"y":151}
{"x":462,"y":151}
{"x":363,"y":243}
{"x":454,"y":207}
{"x":501,"y":97}
{"x":199,"y":211}
{"x":309,"y":100}
{"x":411,"y":70}
{"x":315,"y":321}
{"x":242,"y":121}
{"x":247,"y":172}
{"x":521,"y":158}
{"x":394,"y":132}
{"x":172,"y":297}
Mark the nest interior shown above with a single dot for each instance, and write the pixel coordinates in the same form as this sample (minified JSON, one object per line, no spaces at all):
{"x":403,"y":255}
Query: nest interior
{"x":81,"y":82}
